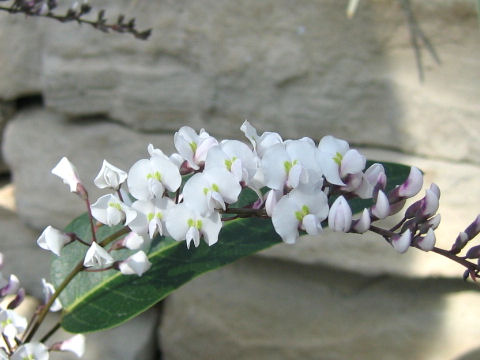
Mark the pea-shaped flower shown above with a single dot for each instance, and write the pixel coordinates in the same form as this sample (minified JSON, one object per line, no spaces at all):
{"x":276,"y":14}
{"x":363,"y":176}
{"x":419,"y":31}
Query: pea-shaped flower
{"x":193,"y":147}
{"x":109,"y":210}
{"x":148,"y":178}
{"x":303,"y":208}
{"x":110,"y":176}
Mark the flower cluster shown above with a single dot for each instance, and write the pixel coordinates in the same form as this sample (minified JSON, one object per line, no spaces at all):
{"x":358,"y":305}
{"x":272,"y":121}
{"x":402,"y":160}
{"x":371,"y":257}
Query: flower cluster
{"x":299,"y":184}
{"x":14,"y":327}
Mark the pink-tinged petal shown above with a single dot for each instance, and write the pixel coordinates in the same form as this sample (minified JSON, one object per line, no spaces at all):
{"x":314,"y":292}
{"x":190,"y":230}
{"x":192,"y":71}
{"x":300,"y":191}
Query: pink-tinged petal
{"x":427,"y":243}
{"x":381,"y":209}
{"x":430,"y":203}
{"x":363,"y":224}
{"x":273,"y":196}
{"x":66,"y":171}
{"x":75,"y":345}
{"x":136,"y":264}
{"x":340,"y":216}
{"x":412,"y":185}
{"x":285,"y":221}
{"x":401,"y":243}
{"x":352,"y":163}
{"x":202,"y":150}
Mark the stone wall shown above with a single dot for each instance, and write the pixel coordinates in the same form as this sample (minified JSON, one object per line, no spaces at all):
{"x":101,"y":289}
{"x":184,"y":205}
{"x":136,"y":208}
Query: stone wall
{"x":302,"y":69}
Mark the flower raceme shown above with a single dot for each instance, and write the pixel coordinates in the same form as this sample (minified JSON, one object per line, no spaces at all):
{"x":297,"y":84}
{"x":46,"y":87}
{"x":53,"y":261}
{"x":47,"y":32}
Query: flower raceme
{"x":302,"y":186}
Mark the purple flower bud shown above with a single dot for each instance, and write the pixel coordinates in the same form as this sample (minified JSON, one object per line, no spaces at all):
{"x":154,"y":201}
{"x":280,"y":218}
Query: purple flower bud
{"x":11,"y":287}
{"x":17,"y":300}
{"x":340,"y":215}
{"x":427,"y":242}
{"x":381,"y":209}
{"x":473,"y":229}
{"x":363,"y":224}
{"x":460,"y":243}
{"x":434,"y":221}
{"x":473,"y":253}
{"x":412,"y":185}
{"x":429,"y":203}
{"x":401,"y":243}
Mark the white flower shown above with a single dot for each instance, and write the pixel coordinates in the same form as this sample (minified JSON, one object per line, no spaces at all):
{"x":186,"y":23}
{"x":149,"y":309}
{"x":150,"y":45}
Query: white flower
{"x":260,"y":143}
{"x":11,"y":324}
{"x":48,"y":291}
{"x":184,"y":223}
{"x":137,"y":264}
{"x":363,"y":224}
{"x":97,"y":257}
{"x":68,"y":173}
{"x":234,"y":156}
{"x":110,"y":176}
{"x":210,"y":190}
{"x":133,"y":241}
{"x":303,"y":208}
{"x":53,"y":239}
{"x":31,"y":351}
{"x":148,"y":178}
{"x":381,"y":208}
{"x":340,"y":215}
{"x":193,"y":147}
{"x":290,"y":164}
{"x":337,"y":160}
{"x":76,"y":345}
{"x":150,"y":216}
{"x":109,"y":210}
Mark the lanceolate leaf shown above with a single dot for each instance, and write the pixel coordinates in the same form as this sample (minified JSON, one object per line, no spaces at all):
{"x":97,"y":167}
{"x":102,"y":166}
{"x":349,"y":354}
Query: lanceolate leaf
{"x":100,"y":300}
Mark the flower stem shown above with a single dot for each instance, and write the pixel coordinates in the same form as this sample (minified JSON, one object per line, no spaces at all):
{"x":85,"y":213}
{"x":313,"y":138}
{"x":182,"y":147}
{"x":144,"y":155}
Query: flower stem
{"x":77,"y":269}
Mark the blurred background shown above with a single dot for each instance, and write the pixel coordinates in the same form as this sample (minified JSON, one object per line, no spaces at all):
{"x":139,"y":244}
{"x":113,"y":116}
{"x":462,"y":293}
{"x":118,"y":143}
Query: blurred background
{"x":399,"y":79}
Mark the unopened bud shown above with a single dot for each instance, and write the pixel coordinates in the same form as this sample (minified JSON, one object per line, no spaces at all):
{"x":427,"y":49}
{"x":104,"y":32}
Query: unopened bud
{"x":473,"y":229}
{"x":340,"y":215}
{"x":401,"y":243}
{"x":473,"y":253}
{"x":363,"y":224}
{"x":435,"y":221}
{"x":427,"y":242}
{"x":460,"y":243}
{"x":381,"y":209}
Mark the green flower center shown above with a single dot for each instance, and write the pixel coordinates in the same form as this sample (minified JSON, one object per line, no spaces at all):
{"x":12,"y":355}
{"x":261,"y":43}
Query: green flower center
{"x":115,"y":206}
{"x":338,"y":158}
{"x":213,"y":188}
{"x":196,"y":224}
{"x":193,"y":146}
{"x":289,"y":164}
{"x":229,"y":163}
{"x":302,"y":213}
{"x":156,"y":175}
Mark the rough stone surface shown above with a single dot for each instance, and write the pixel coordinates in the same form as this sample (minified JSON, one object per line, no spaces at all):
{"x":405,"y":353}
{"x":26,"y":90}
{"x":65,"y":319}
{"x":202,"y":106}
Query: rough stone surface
{"x":369,"y":254}
{"x":20,"y":56}
{"x":37,"y":139}
{"x":19,"y":247}
{"x":264,"y":309}
{"x":299,"y":69}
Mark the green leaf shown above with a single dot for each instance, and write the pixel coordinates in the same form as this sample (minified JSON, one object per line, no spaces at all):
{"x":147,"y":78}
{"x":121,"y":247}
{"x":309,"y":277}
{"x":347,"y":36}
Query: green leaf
{"x":100,"y":300}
